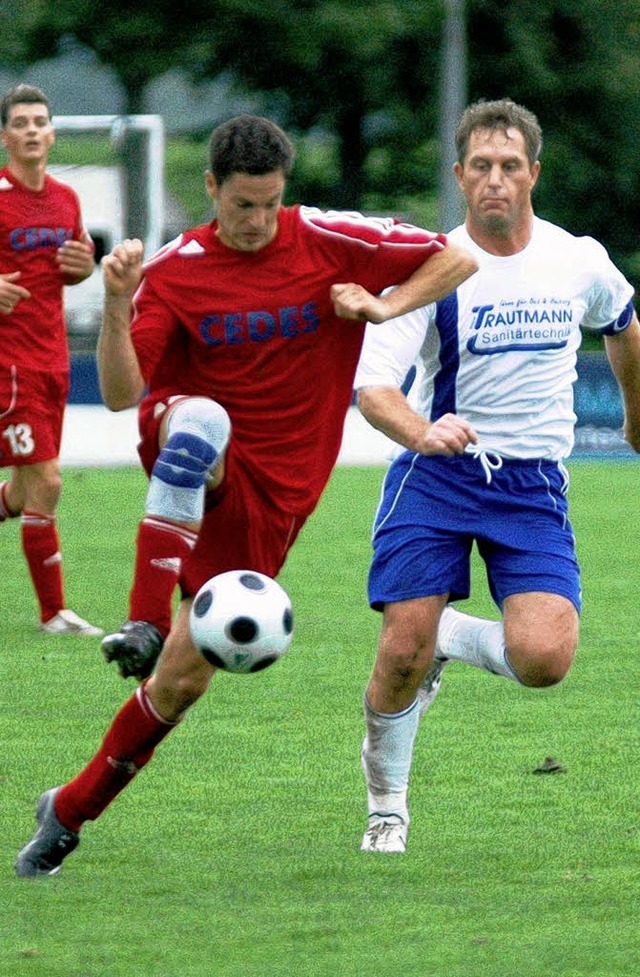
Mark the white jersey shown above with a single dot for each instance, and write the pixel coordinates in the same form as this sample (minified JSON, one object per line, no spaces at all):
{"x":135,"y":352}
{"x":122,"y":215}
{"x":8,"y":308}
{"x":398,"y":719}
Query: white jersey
{"x":500,"y":351}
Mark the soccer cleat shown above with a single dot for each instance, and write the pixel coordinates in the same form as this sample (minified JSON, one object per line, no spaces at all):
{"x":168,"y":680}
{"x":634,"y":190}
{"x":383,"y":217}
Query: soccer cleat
{"x":51,"y":843}
{"x":67,"y":622}
{"x":135,"y":647}
{"x":386,"y":833}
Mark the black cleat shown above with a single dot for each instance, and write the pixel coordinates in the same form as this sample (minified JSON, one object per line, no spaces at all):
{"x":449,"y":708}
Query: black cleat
{"x":50,"y":845}
{"x":135,"y":647}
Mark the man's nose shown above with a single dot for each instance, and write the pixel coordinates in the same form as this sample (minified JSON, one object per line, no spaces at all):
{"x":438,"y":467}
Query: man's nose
{"x":259,"y":217}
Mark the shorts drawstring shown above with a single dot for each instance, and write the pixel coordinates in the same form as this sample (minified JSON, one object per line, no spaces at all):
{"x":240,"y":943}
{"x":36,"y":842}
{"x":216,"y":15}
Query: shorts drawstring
{"x":491,"y":461}
{"x":14,"y":392}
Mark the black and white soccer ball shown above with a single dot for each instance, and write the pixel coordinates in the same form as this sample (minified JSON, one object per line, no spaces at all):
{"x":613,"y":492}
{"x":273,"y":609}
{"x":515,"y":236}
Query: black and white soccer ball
{"x":241,"y":621}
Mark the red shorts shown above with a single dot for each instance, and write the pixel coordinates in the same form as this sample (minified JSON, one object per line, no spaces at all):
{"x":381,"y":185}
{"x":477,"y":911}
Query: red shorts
{"x":32,"y":407}
{"x":242,"y":529}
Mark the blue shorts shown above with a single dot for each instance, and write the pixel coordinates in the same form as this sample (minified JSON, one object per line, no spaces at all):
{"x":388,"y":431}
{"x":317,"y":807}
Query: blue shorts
{"x":433,"y":509}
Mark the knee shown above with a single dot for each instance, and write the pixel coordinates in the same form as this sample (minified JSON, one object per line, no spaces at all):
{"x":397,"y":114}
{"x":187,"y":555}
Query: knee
{"x":203,"y":419}
{"x":402,"y":662}
{"x":197,"y":435}
{"x":542,"y":667}
{"x":43,"y":491}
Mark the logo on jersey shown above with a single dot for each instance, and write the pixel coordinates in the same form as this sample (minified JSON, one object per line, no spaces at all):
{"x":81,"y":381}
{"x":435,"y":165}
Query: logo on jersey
{"x":191,"y":248}
{"x":31,"y":238}
{"x":522,"y":324}
{"x":236,"y":328}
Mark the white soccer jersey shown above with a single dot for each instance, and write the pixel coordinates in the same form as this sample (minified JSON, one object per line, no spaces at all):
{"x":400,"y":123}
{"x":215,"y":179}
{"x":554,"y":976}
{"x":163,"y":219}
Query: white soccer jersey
{"x":501,"y":350}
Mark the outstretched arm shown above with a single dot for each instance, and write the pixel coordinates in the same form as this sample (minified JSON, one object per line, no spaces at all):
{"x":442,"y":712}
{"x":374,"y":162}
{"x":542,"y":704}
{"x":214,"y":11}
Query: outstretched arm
{"x":623,"y":352}
{"x":121,"y":382}
{"x":387,"y":409}
{"x":439,"y":275}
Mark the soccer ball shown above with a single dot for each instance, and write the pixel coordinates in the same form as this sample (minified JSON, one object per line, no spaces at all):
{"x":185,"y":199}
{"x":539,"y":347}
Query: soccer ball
{"x":241,"y":621}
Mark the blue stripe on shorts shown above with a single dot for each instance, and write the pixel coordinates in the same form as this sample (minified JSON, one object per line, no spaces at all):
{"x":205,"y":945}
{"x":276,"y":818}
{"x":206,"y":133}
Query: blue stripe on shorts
{"x":434,"y":508}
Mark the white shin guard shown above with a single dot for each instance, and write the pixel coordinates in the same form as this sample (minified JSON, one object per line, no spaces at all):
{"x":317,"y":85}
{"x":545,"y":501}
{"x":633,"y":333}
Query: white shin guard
{"x":198,"y":434}
{"x":387,"y":752}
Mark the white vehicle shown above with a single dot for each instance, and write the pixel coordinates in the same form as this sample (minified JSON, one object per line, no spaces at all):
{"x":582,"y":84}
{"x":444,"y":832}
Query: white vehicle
{"x":101,"y":191}
{"x":103,"y":199}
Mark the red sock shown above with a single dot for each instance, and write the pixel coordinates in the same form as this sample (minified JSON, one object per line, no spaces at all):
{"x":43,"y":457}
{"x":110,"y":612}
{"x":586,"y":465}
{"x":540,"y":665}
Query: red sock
{"x":127,"y":747}
{"x":41,"y":546}
{"x":161,"y":548}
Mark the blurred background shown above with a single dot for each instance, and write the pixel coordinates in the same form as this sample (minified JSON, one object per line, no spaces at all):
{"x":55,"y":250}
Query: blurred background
{"x":368,"y":90}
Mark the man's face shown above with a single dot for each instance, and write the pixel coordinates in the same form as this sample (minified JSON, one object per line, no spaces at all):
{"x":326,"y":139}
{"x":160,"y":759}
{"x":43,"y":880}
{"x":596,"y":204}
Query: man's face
{"x":497,"y":179}
{"x":247,"y":209}
{"x":28,"y":134}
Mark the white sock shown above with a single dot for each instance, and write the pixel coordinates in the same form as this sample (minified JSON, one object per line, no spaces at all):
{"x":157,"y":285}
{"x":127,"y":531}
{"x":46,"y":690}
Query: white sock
{"x":474,"y":640}
{"x":387,"y":751}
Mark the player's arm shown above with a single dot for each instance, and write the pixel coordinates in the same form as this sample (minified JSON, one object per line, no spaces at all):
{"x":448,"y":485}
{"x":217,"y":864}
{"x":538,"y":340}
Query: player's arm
{"x":388,"y":410}
{"x":121,"y":380}
{"x":76,"y":259}
{"x":623,"y":352}
{"x":437,"y":276}
{"x":386,"y":357}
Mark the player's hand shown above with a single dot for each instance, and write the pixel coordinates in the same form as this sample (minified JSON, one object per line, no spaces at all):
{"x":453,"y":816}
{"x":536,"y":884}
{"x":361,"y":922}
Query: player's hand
{"x":122,"y":268}
{"x":11,"y":293}
{"x":351,"y":301}
{"x":449,"y":436}
{"x":75,"y":259}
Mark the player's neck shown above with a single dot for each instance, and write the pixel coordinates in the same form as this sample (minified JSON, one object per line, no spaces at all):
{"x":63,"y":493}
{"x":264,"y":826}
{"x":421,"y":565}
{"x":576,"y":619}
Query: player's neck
{"x":31,"y":175}
{"x":502,"y":241}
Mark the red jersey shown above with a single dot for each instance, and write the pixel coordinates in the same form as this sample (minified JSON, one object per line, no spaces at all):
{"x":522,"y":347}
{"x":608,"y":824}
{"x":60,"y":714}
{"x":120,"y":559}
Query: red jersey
{"x":33,"y":225}
{"x":257,"y":332}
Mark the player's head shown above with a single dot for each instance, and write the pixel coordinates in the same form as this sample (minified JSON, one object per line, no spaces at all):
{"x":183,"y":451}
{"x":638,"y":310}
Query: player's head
{"x":27,"y":131}
{"x":498,"y":116}
{"x":249,"y":144}
{"x":498,"y":144}
{"x":21,"y":95}
{"x":250,"y":159}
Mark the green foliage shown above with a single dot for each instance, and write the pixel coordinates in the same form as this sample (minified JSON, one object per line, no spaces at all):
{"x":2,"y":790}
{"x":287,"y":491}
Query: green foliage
{"x":235,"y":853}
{"x":577,"y":66}
{"x":364,"y":77}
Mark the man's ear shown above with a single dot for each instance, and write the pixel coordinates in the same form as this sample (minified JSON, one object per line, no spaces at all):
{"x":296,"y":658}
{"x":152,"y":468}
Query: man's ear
{"x":211,"y":185}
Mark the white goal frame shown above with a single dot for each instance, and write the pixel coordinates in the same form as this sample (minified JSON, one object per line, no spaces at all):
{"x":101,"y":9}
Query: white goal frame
{"x":116,"y":126}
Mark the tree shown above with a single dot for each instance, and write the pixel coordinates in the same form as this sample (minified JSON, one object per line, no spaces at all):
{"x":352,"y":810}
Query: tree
{"x":365,"y":73}
{"x":356,"y":68}
{"x":17,"y":19}
{"x":576,"y":64}
{"x":137,"y":40}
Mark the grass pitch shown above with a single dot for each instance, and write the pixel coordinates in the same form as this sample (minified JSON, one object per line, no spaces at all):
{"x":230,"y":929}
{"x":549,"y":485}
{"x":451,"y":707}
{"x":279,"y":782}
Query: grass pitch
{"x":235,"y":853}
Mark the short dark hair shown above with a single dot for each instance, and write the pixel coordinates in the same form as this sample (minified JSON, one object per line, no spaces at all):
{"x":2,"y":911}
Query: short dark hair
{"x":501,"y":114}
{"x":249,"y":144}
{"x":19,"y":94}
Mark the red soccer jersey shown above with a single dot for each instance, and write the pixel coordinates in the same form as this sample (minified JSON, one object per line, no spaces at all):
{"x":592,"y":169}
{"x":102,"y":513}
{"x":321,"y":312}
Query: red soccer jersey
{"x":257,"y":332}
{"x":33,"y":225}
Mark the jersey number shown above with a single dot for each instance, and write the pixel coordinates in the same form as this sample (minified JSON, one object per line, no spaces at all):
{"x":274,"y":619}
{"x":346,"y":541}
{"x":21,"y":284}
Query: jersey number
{"x":20,"y":438}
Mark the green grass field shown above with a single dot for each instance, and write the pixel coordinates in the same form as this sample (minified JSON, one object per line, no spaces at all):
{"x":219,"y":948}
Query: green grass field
{"x":235,"y":853}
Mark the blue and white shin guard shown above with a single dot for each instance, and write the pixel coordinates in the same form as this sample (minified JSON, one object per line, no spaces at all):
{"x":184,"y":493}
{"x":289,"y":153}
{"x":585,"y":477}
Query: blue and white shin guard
{"x":199,"y":431}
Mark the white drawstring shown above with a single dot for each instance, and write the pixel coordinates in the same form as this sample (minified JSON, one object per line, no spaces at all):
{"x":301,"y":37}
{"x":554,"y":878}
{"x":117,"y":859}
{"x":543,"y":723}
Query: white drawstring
{"x":14,"y":391}
{"x":491,"y":461}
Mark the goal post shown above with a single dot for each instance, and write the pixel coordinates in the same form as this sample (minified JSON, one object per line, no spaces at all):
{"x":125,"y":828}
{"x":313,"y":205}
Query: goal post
{"x":121,"y":195}
{"x":139,"y":143}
